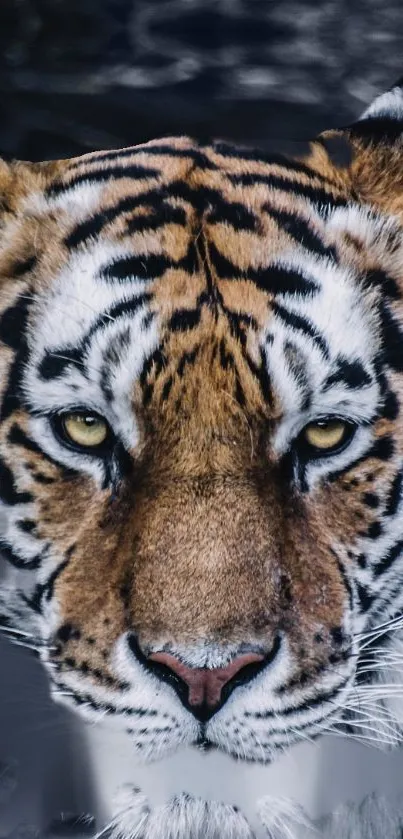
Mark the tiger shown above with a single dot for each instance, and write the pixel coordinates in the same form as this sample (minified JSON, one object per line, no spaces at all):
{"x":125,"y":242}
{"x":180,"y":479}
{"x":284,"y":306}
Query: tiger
{"x":201,"y":450}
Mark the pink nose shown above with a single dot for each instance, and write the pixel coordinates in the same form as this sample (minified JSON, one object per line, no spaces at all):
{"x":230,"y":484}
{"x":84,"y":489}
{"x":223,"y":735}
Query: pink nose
{"x":205,"y":686}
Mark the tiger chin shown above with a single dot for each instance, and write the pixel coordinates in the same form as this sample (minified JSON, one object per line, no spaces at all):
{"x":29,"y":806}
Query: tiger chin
{"x":201,"y":439}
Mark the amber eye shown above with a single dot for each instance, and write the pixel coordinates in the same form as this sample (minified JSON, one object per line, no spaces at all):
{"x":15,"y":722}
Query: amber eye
{"x":85,"y":430}
{"x":327,"y":435}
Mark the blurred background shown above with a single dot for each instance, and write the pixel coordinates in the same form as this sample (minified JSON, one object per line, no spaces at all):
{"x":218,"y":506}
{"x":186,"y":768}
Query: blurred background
{"x":77,"y":75}
{"x":81,"y":74}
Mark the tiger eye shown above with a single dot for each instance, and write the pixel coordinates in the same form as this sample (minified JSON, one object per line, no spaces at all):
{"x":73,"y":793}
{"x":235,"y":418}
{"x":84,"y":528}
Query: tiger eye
{"x":326,"y":434}
{"x":85,"y":430}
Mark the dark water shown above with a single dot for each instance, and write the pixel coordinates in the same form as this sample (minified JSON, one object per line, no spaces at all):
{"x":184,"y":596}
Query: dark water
{"x":81,"y":74}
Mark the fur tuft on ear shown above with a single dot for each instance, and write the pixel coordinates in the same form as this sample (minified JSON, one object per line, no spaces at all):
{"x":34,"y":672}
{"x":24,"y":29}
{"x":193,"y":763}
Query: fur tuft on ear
{"x":18,"y":178}
{"x":382,"y":121}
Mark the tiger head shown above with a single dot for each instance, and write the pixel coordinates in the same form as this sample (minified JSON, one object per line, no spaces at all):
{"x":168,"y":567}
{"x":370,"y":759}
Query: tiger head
{"x":201,"y":445}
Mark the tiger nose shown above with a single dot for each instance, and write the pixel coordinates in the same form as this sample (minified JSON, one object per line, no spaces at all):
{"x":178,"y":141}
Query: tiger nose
{"x":205,"y":690}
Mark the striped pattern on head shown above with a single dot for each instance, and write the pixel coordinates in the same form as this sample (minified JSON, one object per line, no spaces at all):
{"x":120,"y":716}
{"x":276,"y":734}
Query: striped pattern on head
{"x":222,"y":564}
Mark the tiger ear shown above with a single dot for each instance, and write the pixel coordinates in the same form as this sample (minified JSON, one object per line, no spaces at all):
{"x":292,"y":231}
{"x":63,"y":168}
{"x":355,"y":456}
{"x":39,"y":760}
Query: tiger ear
{"x":368,"y":155}
{"x":19,"y":178}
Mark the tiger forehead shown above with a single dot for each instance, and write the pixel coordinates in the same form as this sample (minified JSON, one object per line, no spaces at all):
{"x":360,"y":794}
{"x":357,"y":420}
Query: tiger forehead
{"x":161,"y":202}
{"x":174,"y":260}
{"x":161,"y":197}
{"x":194,"y":226}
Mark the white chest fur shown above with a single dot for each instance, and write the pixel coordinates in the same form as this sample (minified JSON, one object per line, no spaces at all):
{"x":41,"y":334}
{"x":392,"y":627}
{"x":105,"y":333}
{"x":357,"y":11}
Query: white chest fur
{"x":320,"y":777}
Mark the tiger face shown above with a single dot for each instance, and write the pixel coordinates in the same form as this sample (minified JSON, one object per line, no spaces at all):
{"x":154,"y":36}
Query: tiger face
{"x":200,"y":438}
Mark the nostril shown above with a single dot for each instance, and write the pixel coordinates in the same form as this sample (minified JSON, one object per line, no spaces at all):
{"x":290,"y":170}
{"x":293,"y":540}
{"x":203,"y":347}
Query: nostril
{"x":205,"y":686}
{"x":203,"y":690}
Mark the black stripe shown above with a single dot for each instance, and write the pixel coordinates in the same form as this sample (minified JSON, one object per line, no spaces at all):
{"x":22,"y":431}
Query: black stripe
{"x":389,"y":558}
{"x":279,"y":280}
{"x":153,"y":221}
{"x":394,"y":495}
{"x":144,"y":266}
{"x":94,"y":225}
{"x":296,"y":366}
{"x":391,"y":405}
{"x":316,"y":195}
{"x":226,"y":358}
{"x":379,"y":279}
{"x":40,"y":478}
{"x":264,"y":378}
{"x":346,"y":580}
{"x":10,"y":556}
{"x":134,"y":172}
{"x":365,"y":598}
{"x":12,"y":395}
{"x":273,"y":279}
{"x":370,"y":499}
{"x":235,"y":214}
{"x":146,"y":320}
{"x":46,"y":589}
{"x":52,"y":366}
{"x":197,"y":156}
{"x":23,"y":266}
{"x":373,"y":531}
{"x":27,"y":525}
{"x":349,"y":373}
{"x":382,"y":449}
{"x":200,"y":198}
{"x":212,"y":296}
{"x":188,"y":359}
{"x":392,"y":340}
{"x":16,"y":436}
{"x":184,"y":319}
{"x":301,"y":324}
{"x":318,"y":699}
{"x":8,"y":490}
{"x":239,"y":324}
{"x":162,"y":213}
{"x":193,"y":154}
{"x":156,"y":360}
{"x":299,"y":229}
{"x":259,"y":156}
{"x":118,"y":310}
{"x":13,"y":322}
{"x":167,"y":389}
{"x":383,"y":606}
{"x":112,"y":315}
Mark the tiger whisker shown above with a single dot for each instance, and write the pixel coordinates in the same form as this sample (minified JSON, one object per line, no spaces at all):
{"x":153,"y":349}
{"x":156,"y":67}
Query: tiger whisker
{"x":385,"y":629}
{"x":364,"y":725}
{"x":369,"y":690}
{"x":377,"y":741}
{"x":368,"y":717}
{"x":369,"y":704}
{"x":11,"y":630}
{"x":32,"y":647}
{"x":384,"y":625}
